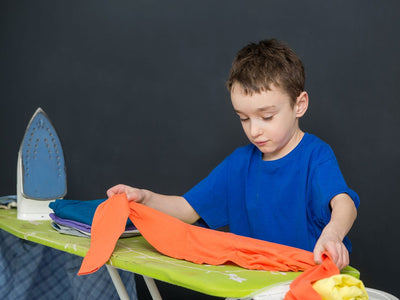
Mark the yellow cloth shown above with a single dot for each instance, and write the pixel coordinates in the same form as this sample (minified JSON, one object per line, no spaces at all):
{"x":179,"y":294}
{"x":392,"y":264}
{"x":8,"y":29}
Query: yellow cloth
{"x":341,"y":287}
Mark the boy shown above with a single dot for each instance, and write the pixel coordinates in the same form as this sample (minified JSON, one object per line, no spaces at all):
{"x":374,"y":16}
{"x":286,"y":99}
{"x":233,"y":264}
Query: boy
{"x":285,"y":186}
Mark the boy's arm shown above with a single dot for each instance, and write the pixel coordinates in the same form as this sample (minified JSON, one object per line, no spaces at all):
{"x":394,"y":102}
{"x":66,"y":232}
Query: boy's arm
{"x":175,"y":206}
{"x":343,"y":215}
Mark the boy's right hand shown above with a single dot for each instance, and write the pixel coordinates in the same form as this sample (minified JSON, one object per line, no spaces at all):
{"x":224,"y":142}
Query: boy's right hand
{"x":132,"y":194}
{"x":175,"y":206}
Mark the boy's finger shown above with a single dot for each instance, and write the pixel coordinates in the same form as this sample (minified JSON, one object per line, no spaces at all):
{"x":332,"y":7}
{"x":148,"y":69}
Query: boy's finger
{"x":344,"y":258}
{"x":117,"y":189}
{"x":110,"y":192}
{"x":318,"y":255}
{"x":133,"y":195}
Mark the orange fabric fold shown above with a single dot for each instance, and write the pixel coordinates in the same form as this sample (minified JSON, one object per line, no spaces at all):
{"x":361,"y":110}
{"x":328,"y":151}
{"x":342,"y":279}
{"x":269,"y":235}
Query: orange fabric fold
{"x":301,"y":288}
{"x":177,"y":239}
{"x":108,"y":224}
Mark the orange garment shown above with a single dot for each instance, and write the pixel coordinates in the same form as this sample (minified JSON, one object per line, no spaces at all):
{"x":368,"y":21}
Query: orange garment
{"x":301,"y":287}
{"x":177,"y":239}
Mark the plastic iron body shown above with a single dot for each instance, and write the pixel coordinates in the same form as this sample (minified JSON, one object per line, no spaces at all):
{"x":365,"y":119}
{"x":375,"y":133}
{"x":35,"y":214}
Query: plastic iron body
{"x":41,"y":175}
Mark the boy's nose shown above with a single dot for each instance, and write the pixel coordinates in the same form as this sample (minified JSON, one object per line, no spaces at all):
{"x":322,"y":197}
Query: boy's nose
{"x":255,"y":130}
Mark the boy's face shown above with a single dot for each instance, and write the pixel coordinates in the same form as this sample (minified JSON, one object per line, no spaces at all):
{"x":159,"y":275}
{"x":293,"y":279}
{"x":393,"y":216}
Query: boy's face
{"x":269,"y":120}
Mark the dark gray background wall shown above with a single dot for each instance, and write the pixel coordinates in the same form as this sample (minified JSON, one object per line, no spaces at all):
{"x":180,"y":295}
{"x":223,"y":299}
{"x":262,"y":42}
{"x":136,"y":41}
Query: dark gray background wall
{"x":136,"y":92}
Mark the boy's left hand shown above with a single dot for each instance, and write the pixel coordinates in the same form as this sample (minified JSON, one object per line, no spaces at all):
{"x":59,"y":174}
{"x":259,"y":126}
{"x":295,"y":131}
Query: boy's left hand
{"x":331,"y":242}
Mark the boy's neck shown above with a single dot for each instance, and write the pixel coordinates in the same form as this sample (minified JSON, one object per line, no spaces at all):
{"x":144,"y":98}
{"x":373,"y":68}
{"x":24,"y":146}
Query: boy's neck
{"x":290,"y":145}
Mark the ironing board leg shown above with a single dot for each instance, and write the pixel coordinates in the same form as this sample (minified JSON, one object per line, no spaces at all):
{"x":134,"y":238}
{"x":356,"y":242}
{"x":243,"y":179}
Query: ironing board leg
{"x":119,"y":285}
{"x":151,"y":285}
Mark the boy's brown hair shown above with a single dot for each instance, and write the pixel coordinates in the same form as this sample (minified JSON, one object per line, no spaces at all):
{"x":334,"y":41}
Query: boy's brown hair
{"x":257,"y":66}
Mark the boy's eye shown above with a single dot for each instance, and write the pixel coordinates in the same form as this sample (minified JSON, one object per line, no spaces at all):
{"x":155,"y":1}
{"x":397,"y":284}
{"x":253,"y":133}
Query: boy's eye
{"x":243,"y":119}
{"x":267,"y":118}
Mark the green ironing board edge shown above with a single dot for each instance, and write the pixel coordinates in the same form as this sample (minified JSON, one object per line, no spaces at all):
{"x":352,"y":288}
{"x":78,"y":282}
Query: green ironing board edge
{"x":219,"y":281}
{"x":41,"y":232}
{"x":136,"y":255}
{"x":178,"y":272}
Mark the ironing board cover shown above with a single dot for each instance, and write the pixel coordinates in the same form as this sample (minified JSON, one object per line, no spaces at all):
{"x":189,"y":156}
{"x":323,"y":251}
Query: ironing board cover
{"x":137,"y":255}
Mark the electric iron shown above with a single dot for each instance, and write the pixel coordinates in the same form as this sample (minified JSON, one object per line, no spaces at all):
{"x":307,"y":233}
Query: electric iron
{"x":41,"y":176}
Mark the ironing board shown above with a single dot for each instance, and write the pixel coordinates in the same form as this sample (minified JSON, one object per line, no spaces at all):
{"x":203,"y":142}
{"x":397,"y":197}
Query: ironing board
{"x":136,"y":255}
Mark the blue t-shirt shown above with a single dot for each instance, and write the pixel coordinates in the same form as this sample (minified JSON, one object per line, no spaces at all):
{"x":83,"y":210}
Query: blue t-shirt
{"x":285,"y":201}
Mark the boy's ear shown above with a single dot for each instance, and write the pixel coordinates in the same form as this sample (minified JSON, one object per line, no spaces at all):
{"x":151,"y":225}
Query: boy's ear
{"x":301,"y":104}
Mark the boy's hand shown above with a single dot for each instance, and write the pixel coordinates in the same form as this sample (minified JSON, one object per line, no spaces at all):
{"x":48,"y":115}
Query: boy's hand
{"x":331,"y":242}
{"x":133,"y":194}
{"x":175,"y":206}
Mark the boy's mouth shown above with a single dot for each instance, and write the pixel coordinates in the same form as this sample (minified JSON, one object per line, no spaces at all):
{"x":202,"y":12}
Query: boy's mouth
{"x":260,"y":143}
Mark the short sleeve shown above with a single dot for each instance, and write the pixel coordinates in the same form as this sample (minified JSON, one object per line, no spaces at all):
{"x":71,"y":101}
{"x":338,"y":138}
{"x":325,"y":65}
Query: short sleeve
{"x":327,"y":182}
{"x":210,"y":196}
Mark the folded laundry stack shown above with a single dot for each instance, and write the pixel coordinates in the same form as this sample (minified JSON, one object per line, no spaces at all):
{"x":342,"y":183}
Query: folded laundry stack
{"x":7,"y":202}
{"x":74,"y":217}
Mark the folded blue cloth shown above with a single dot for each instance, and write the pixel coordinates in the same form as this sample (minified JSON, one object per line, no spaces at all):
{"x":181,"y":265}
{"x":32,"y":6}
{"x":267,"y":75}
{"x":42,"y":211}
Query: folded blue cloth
{"x":78,"y":210}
